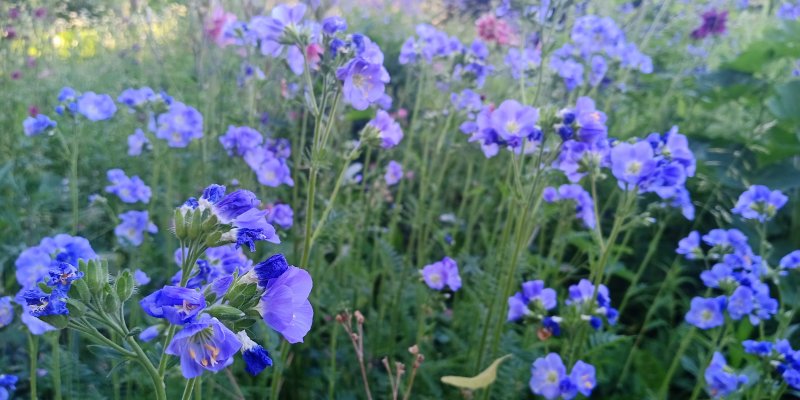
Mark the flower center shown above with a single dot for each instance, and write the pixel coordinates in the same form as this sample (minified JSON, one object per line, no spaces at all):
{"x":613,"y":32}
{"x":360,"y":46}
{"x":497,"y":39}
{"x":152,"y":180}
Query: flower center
{"x":634,"y":168}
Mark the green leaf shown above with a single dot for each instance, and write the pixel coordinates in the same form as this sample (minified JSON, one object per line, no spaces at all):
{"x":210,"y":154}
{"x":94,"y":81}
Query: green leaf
{"x":479,"y":381}
{"x":785,"y":103}
{"x":778,"y":43}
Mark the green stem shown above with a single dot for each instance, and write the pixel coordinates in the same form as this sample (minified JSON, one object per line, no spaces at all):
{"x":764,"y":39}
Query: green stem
{"x":716,"y":343}
{"x":33,"y":353}
{"x":187,"y":390}
{"x":155,"y":375}
{"x":673,"y":367}
{"x":56,"y":365}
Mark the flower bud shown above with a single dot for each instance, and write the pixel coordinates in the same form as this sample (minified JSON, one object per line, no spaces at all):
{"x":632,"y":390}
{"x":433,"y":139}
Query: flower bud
{"x":83,"y":290}
{"x":124,"y":286}
{"x":224,"y":312}
{"x":180,"y":225}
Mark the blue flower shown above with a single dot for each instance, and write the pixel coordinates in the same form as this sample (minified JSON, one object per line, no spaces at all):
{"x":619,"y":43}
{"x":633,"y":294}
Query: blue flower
{"x":180,"y":125}
{"x":136,"y":143}
{"x":271,"y":268}
{"x":269,"y":162}
{"x":706,"y":313}
{"x":133,"y":225}
{"x":40,"y":304}
{"x":534,"y":296}
{"x":178,"y":305}
{"x":758,"y":202}
{"x":584,"y":205}
{"x":62,"y":275}
{"x":33,"y":126}
{"x":256,"y":358}
{"x":96,"y":107}
{"x":34,"y":263}
{"x":721,"y":379}
{"x":583,"y":377}
{"x":388,"y":129}
{"x":547,"y":373}
{"x":757,"y":348}
{"x":442,"y":273}
{"x":7,"y":385}
{"x":632,"y":164}
{"x":583,"y":295}
{"x":140,"y":277}
{"x":204,"y":345}
{"x":6,"y":311}
{"x":149,"y":333}
{"x":791,"y":260}
{"x":514,"y":122}
{"x":129,"y":190}
{"x":689,"y":246}
{"x":285,"y":306}
{"x":334,"y":24}
{"x":240,"y":140}
{"x":522,"y":61}
{"x":363,"y":82}
{"x":394,"y":173}
{"x":135,"y":98}
{"x":281,"y":215}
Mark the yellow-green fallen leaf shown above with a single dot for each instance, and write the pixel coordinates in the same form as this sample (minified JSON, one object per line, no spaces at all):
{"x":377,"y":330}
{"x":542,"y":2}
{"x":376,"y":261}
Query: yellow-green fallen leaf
{"x":479,"y":381}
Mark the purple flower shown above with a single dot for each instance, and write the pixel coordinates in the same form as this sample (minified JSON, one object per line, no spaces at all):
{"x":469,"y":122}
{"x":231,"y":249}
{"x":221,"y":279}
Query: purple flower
{"x":394,"y":173}
{"x":7,"y":382}
{"x":721,"y":379}
{"x":271,"y":268}
{"x":34,"y":263}
{"x":689,"y":246}
{"x":40,"y":304}
{"x":514,"y":122}
{"x":632,"y":164}
{"x":62,"y":275}
{"x":547,"y":374}
{"x":758,"y":202}
{"x":205,"y":344}
{"x":240,"y":140}
{"x":706,"y":313}
{"x":466,"y":100}
{"x":521,"y":62}
{"x":140,"y":277}
{"x":285,"y":306}
{"x":178,"y":305}
{"x":582,"y":296}
{"x":149,"y":333}
{"x":334,"y":24}
{"x":363,"y":82}
{"x":534,"y":296}
{"x":713,"y":24}
{"x":96,"y":107}
{"x":33,"y":126}
{"x":136,"y":142}
{"x":442,"y":273}
{"x":6,"y":311}
{"x":135,"y":98}
{"x":271,"y":169}
{"x":388,"y":129}
{"x":583,"y":377}
{"x":180,"y":125}
{"x":231,"y":206}
{"x":129,"y":190}
{"x":133,"y":225}
{"x":584,"y":205}
{"x":281,"y":215}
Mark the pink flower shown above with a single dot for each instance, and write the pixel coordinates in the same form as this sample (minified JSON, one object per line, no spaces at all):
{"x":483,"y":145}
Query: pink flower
{"x":216,"y":24}
{"x":314,"y":53}
{"x":491,"y":29}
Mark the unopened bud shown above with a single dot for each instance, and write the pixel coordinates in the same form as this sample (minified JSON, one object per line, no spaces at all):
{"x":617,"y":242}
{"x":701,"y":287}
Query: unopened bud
{"x":359,"y":317}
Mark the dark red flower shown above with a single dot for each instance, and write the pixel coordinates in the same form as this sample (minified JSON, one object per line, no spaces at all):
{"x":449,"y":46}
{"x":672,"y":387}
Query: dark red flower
{"x":713,"y":24}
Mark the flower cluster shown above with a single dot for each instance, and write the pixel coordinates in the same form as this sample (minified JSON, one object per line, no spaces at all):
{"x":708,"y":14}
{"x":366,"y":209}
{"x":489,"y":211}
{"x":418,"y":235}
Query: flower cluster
{"x":721,"y":379}
{"x":584,"y":205}
{"x":760,"y":203}
{"x":215,"y":263}
{"x":658,"y":164}
{"x":779,"y":355}
{"x":492,"y":29}
{"x":429,"y":44}
{"x":394,"y":173}
{"x":8,"y":384}
{"x":789,"y":10}
{"x":179,"y":125}
{"x":129,"y":190}
{"x":363,"y":77}
{"x":550,"y":380}
{"x":132,"y":227}
{"x":37,"y":125}
{"x":595,"y":40}
{"x":268,"y":159}
{"x":225,"y":218}
{"x":442,"y":273}
{"x":54,"y":262}
{"x":523,"y":61}
{"x":275,"y":290}
{"x":512,"y":125}
{"x":388,"y":130}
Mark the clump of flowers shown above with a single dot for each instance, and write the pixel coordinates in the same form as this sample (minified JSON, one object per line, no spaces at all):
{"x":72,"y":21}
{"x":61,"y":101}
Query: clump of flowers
{"x":550,"y":380}
{"x":713,"y":24}
{"x":129,"y":190}
{"x":442,"y":274}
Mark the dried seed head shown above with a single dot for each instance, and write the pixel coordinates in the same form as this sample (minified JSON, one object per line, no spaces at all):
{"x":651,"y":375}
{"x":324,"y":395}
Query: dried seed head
{"x":359,"y":317}
{"x":414,"y":349}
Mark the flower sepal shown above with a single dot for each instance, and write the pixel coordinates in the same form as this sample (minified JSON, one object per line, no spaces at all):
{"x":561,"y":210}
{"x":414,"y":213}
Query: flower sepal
{"x":224,"y":312}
